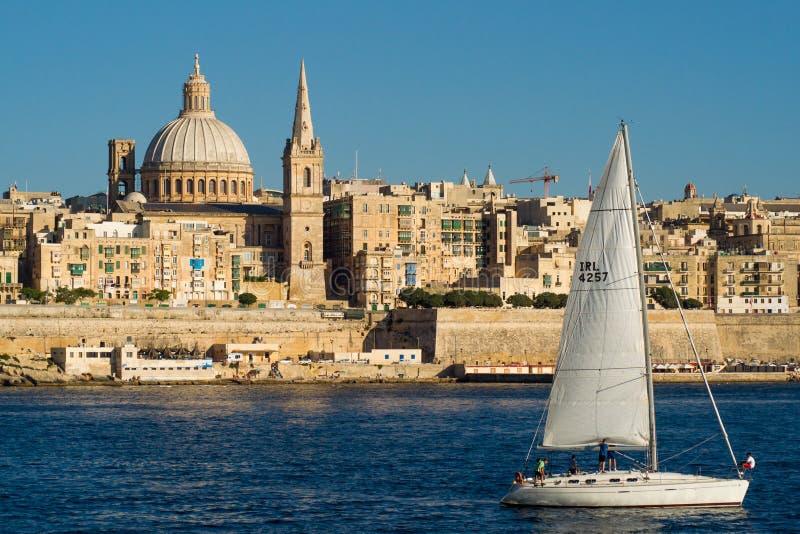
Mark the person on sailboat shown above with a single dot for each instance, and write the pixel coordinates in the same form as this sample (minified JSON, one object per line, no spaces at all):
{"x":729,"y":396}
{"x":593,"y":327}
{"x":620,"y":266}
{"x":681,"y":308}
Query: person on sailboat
{"x":749,"y":463}
{"x":573,"y":466}
{"x":601,"y":458}
{"x":612,"y":460}
{"x":540,"y":467}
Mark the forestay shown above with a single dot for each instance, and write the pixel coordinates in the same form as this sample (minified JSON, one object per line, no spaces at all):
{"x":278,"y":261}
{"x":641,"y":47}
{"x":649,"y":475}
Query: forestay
{"x":600,"y":388}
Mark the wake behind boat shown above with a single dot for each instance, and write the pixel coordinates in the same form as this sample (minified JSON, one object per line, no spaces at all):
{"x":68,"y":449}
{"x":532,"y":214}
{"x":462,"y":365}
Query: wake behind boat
{"x":603,"y":385}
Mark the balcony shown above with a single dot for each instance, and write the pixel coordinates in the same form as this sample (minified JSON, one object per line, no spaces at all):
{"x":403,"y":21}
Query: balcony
{"x":750,"y":282}
{"x":657,"y":267}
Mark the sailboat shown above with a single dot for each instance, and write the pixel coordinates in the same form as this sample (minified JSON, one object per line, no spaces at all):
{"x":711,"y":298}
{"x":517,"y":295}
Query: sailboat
{"x":603,"y":385}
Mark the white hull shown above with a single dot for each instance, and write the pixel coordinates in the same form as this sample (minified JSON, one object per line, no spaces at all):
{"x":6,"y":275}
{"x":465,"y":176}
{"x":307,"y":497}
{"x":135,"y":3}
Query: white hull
{"x":619,"y":489}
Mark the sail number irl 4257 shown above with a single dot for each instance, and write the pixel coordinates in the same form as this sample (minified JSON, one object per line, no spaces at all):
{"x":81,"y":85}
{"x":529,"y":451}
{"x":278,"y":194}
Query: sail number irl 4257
{"x":590,"y":272}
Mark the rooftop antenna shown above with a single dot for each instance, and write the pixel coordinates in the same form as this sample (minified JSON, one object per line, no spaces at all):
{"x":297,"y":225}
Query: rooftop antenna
{"x":380,"y":174}
{"x":355,"y":172}
{"x":262,"y":182}
{"x":744,"y":190}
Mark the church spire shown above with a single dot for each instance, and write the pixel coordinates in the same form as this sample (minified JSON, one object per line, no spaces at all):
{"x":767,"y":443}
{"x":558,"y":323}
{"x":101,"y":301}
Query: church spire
{"x":465,"y":179}
{"x":303,"y":130}
{"x":489,"y":180}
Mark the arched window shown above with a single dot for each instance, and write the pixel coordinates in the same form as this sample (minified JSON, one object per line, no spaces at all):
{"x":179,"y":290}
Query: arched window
{"x":156,"y":192}
{"x":178,"y":186}
{"x":212,"y":187}
{"x":123,"y":162}
{"x":307,"y":175}
{"x":307,"y":252}
{"x":233,"y":187}
{"x":242,"y":190}
{"x":223,"y":187}
{"x":759,"y":229}
{"x":746,"y":230}
{"x":202,"y":102}
{"x":201,"y":186}
{"x":190,"y":186}
{"x":167,"y":186}
{"x":195,"y":102}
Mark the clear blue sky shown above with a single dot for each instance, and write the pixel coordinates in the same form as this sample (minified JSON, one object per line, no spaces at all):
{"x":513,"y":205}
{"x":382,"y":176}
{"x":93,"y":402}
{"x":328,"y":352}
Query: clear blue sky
{"x":421,"y":89}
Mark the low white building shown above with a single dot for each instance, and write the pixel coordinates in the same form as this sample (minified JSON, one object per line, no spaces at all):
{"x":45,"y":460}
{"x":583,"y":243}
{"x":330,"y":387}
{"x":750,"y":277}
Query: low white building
{"x":752,"y":304}
{"x":130,"y":365}
{"x":380,"y":356}
{"x":79,"y":360}
{"x":126,"y":363}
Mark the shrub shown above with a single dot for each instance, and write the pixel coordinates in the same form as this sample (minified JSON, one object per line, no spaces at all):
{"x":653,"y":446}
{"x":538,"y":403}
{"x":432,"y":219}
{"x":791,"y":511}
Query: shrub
{"x":247,"y":299}
{"x":520,"y":301}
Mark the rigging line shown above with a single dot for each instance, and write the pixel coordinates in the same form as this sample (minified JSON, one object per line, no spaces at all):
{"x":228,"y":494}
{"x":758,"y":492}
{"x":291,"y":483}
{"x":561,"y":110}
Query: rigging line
{"x":533,"y":441}
{"x":688,"y":333}
{"x":692,"y":447}
{"x":620,"y":384}
{"x":631,"y":458}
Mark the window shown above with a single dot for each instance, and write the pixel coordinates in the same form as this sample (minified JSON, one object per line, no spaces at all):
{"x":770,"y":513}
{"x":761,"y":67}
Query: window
{"x":306,"y":176}
{"x":201,"y":186}
{"x":212,"y":187}
{"x":233,"y":187}
{"x":168,"y":186}
{"x":190,"y":186}
{"x":223,"y":187}
{"x":178,"y":186}
{"x":307,"y":251}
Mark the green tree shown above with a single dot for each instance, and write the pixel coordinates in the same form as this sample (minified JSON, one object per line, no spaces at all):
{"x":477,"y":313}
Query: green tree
{"x":691,"y":304}
{"x":33,"y":295}
{"x":159,"y":294}
{"x":433,"y":300}
{"x":247,"y":299}
{"x":81,"y":293}
{"x":65,"y":295}
{"x":413,"y":297}
{"x":455,"y":299}
{"x":550,"y":300}
{"x":492,"y":300}
{"x":666,"y":297}
{"x":520,"y":301}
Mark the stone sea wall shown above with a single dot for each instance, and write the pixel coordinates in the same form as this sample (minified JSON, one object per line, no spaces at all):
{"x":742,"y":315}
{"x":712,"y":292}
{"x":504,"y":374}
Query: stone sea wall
{"x":445,"y":335}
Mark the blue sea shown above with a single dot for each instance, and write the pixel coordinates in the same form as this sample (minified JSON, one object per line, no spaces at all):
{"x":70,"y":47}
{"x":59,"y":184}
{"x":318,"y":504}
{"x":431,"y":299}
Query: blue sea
{"x":352,"y":458}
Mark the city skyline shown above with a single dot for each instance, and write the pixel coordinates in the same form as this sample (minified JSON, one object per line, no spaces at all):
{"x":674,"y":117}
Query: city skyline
{"x":421,"y":94}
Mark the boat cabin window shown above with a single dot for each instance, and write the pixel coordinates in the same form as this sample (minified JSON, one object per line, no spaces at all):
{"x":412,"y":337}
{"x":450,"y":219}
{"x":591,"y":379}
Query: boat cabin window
{"x":574,"y":481}
{"x":590,"y":481}
{"x":633,"y":480}
{"x":614,"y":480}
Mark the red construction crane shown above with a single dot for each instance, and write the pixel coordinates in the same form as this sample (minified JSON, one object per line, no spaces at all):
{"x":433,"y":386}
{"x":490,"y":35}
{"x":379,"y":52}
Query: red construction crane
{"x":546,"y":178}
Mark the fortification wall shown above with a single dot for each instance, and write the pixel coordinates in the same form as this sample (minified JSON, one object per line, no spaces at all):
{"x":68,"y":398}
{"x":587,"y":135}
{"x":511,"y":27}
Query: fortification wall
{"x":37,"y":328}
{"x":444,"y":335}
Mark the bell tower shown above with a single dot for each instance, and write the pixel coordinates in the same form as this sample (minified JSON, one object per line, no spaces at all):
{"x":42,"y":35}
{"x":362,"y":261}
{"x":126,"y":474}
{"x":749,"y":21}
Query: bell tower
{"x":302,"y":203}
{"x":121,"y":169}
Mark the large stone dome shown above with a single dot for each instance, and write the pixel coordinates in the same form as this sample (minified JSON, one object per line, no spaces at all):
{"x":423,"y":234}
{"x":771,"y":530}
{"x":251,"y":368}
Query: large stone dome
{"x":198,"y":139}
{"x":197,"y":157}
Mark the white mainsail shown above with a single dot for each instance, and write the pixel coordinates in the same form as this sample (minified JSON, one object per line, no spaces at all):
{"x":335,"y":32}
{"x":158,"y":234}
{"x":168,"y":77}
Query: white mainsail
{"x":600,"y":387}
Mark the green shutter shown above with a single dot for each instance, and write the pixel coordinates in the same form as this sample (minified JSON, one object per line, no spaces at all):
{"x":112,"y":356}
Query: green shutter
{"x":99,"y":249}
{"x":144,"y":250}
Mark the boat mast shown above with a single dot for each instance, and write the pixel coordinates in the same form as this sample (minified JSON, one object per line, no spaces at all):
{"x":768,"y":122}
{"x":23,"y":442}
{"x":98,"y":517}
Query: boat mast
{"x":653,"y":450}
